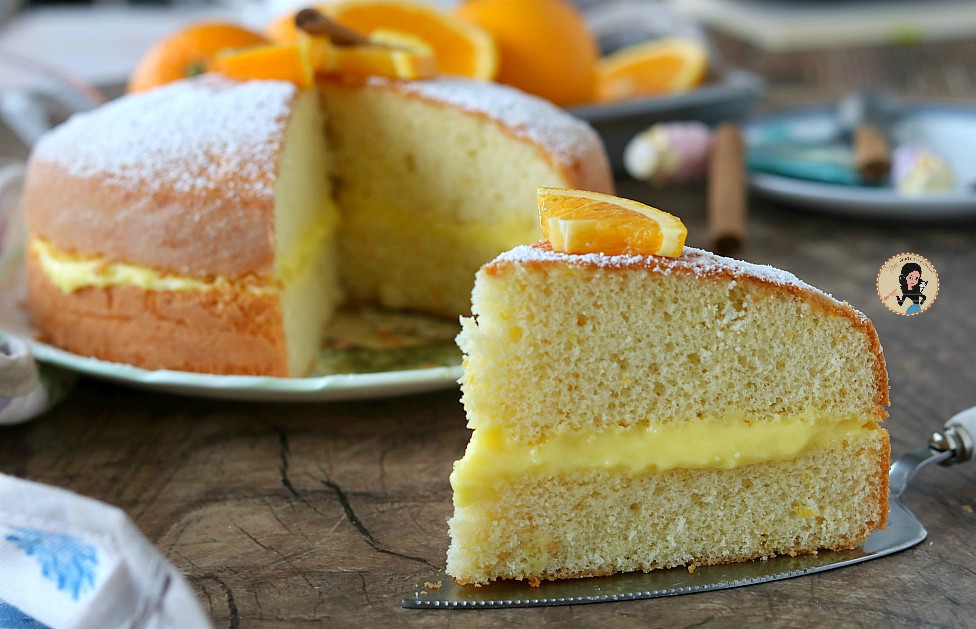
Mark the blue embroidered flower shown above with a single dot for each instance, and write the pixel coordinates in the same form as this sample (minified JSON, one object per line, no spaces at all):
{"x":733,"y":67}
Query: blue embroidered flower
{"x":65,"y":560}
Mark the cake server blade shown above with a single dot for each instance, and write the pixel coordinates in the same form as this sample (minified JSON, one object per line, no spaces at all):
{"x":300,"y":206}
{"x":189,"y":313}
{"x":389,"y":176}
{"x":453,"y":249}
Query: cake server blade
{"x":953,"y":445}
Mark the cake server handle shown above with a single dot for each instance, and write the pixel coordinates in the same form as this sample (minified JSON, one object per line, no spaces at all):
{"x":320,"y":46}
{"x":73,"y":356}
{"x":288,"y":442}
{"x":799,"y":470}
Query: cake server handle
{"x":958,"y":436}
{"x":953,"y":444}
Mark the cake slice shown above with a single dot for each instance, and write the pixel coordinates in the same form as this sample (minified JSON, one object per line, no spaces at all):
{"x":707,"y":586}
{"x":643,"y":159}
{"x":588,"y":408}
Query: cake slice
{"x":635,"y":412}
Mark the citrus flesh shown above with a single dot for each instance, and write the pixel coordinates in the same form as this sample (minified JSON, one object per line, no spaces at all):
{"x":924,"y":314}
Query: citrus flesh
{"x":282,"y":62}
{"x":578,"y":221}
{"x":390,"y":53}
{"x":461,"y":48}
{"x":663,"y":66}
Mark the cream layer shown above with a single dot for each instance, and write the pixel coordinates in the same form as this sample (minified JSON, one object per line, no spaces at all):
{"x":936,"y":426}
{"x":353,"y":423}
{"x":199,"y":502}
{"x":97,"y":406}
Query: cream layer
{"x":71,"y":272}
{"x":492,"y":459}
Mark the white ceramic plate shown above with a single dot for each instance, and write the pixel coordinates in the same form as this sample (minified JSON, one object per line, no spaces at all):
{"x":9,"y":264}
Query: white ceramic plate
{"x":951,"y":131}
{"x":372,"y":353}
{"x":351,"y":386}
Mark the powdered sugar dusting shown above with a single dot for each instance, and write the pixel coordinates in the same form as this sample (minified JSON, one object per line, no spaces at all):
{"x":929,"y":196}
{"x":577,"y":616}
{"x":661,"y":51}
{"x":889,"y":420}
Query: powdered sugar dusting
{"x":528,"y":116}
{"x":192,"y":136}
{"x":699,"y":262}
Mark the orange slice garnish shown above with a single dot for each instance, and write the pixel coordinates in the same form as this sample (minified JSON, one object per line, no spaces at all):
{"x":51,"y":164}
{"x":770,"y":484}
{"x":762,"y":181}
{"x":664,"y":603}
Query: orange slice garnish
{"x":281,"y":62}
{"x":663,"y":66}
{"x":389,"y":53}
{"x":460,"y":48}
{"x":577,"y":221}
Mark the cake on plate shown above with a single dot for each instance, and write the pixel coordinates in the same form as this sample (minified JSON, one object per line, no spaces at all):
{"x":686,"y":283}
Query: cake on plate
{"x":634,"y":412}
{"x":213,"y":226}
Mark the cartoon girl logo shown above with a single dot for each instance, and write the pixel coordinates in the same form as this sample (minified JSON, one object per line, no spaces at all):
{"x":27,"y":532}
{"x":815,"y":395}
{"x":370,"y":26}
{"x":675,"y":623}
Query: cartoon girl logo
{"x":908,"y":277}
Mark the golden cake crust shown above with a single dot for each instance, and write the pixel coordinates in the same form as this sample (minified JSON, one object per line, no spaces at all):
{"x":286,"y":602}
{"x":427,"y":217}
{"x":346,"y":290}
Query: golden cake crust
{"x":157,"y":179}
{"x":165,"y":230}
{"x":705,"y":265}
{"x":222,"y":330}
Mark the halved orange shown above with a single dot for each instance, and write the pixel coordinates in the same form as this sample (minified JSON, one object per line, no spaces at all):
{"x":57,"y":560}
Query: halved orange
{"x":461,"y":48}
{"x":283,"y":62}
{"x":578,"y":221}
{"x":663,"y":66}
{"x":189,"y":52}
{"x":545,"y":46}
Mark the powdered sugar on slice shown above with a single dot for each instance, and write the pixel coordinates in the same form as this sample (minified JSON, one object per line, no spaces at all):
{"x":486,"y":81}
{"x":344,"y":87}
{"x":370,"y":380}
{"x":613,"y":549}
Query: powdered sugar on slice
{"x":528,"y":116}
{"x":697,"y":261}
{"x":194,"y":136}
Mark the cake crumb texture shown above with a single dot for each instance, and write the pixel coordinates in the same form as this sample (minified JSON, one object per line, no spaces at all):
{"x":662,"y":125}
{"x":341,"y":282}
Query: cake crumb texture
{"x":599,"y":523}
{"x":564,"y":353}
{"x":635,"y":339}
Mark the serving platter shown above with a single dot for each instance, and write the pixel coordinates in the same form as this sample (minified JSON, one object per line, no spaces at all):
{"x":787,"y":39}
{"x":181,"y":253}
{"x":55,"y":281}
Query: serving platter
{"x":368,"y":353}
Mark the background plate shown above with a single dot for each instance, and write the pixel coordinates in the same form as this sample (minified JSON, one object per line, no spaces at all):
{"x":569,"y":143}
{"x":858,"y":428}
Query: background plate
{"x":951,"y":131}
{"x":726,"y":95}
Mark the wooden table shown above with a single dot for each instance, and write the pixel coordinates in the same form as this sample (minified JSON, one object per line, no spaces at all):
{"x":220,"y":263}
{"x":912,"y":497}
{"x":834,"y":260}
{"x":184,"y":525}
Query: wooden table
{"x":326,"y":514}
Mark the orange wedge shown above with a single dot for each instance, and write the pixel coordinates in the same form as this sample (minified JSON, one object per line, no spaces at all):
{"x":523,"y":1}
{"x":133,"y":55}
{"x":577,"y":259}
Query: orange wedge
{"x":461,"y":48}
{"x":577,"y":221}
{"x":663,"y":66}
{"x":392,"y":54}
{"x":188,"y":52}
{"x":282,"y":62}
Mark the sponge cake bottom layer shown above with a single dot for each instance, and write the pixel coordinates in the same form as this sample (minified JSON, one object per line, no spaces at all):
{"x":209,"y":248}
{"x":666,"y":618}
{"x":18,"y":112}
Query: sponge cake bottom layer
{"x":232,"y":330}
{"x":600,"y":522}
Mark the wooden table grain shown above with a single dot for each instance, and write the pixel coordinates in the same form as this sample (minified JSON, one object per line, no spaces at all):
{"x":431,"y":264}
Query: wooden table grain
{"x":315,"y":515}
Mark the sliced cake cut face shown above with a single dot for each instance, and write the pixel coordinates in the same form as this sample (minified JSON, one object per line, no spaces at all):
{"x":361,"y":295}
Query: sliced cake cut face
{"x":596,"y":522}
{"x":434,"y":178}
{"x":718,"y":340}
{"x":207,"y":248}
{"x":682,"y":410}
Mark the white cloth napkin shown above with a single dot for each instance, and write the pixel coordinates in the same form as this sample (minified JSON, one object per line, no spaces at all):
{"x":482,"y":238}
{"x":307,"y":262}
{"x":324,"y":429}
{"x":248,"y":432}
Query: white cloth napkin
{"x":25,"y":391}
{"x":67,"y":561}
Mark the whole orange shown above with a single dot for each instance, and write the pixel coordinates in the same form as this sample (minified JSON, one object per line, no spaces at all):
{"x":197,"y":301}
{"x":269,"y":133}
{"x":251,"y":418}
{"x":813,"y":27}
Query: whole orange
{"x":189,"y":52}
{"x":545,"y":46}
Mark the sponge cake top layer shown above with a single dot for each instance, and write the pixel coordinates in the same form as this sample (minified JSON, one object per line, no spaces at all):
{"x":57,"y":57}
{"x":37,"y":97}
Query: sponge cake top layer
{"x":158,"y":178}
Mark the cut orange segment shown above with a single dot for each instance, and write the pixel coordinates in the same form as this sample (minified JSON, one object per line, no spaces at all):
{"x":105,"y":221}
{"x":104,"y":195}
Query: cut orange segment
{"x":394,"y":55}
{"x":577,"y":221}
{"x":282,"y":62}
{"x":461,"y":48}
{"x":545,"y":46}
{"x":188,"y":52}
{"x":663,"y":66}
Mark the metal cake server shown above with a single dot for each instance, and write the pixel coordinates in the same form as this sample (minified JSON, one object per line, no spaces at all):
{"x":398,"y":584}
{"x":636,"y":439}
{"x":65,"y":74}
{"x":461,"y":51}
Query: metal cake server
{"x":954,"y":444}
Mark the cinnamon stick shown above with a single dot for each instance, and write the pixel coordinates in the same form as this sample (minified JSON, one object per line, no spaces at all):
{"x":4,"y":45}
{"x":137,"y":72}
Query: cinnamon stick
{"x":872,"y":155}
{"x":726,"y":191}
{"x":317,"y":25}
